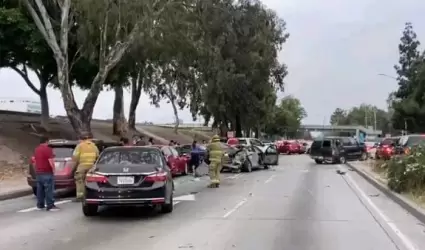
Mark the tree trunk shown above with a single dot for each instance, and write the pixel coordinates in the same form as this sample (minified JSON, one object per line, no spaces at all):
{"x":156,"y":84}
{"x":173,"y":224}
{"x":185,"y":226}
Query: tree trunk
{"x":176,"y":115}
{"x":238,"y":126}
{"x":45,"y":113}
{"x":119,"y":122}
{"x":136,"y":92}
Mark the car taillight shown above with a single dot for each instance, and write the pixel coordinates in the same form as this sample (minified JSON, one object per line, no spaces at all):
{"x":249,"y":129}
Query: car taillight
{"x":158,"y":177}
{"x":96,"y":178}
{"x":407,"y":151}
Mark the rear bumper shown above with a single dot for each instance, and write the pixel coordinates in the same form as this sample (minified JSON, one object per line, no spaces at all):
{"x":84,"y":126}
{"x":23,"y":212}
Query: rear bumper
{"x":59,"y":183}
{"x":323,"y":158}
{"x":127,"y":196}
{"x":123,"y":202}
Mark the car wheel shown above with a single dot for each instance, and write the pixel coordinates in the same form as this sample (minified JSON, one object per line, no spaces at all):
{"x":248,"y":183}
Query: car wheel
{"x":318,"y":161}
{"x":167,"y":208}
{"x":363,"y":157}
{"x":34,"y":190}
{"x":247,"y":166}
{"x":186,"y":169}
{"x":342,"y":160}
{"x":90,"y":209}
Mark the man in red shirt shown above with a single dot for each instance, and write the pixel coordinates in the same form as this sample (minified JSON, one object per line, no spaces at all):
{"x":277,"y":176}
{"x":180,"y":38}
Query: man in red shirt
{"x":44,"y":170}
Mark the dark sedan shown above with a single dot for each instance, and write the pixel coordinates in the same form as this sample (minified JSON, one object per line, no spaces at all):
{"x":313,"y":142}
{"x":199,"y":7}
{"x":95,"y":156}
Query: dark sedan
{"x":127,"y":176}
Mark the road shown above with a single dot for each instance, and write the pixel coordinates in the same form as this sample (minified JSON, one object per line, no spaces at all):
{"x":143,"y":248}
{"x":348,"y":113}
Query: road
{"x":297,"y":205}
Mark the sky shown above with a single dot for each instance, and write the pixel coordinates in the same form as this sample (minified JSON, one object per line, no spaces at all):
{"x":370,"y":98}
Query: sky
{"x":334,"y":54}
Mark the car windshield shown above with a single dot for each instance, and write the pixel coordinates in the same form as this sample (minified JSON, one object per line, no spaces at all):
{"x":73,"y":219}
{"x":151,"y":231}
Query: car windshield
{"x":131,"y":156}
{"x":316,"y":144}
{"x":388,"y":141}
{"x":63,"y":152}
{"x":326,"y":144}
{"x":242,"y":142}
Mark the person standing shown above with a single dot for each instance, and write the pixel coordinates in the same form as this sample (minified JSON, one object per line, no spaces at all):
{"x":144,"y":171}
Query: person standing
{"x":85,"y":155}
{"x":44,"y":169}
{"x":215,"y":153}
{"x":195,"y":158}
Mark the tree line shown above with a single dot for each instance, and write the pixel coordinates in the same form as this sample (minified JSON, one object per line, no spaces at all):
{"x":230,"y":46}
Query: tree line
{"x":218,"y":58}
{"x":406,"y":105}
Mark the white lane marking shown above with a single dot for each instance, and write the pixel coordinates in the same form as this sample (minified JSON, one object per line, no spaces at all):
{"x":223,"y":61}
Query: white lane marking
{"x":270,"y":179}
{"x":35,"y":208}
{"x":189,"y":197}
{"x":406,"y":241}
{"x":235,"y":208}
{"x":175,"y":202}
{"x":233,"y":177}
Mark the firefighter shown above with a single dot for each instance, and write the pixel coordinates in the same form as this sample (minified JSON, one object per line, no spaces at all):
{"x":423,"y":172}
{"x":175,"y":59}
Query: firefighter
{"x":85,"y":154}
{"x":215,"y":153}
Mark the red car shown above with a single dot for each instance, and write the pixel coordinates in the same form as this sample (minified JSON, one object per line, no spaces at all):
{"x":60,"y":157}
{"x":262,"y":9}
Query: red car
{"x":386,"y":149}
{"x":178,"y":164}
{"x":64,"y":166}
{"x":289,"y":147}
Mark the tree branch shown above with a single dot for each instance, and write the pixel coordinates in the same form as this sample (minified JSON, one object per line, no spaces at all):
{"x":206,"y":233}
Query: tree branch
{"x":26,"y":79}
{"x":64,"y":29}
{"x":45,"y":29}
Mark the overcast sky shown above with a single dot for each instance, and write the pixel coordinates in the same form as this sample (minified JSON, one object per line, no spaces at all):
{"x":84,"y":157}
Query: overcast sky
{"x":334,"y":54}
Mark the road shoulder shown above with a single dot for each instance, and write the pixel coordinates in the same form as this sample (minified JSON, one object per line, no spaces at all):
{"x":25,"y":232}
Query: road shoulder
{"x":378,"y":182}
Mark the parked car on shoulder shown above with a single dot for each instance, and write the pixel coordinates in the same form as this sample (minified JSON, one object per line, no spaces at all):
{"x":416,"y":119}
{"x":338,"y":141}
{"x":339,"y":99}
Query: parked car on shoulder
{"x":337,"y":150}
{"x":127,"y":176}
{"x":177,"y":162}
{"x":407,"y":142}
{"x":64,"y":166}
{"x":387,"y":148}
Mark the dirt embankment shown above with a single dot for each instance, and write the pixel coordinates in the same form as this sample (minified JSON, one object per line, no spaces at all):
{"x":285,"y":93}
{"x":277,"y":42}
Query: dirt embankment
{"x":20,"y":134}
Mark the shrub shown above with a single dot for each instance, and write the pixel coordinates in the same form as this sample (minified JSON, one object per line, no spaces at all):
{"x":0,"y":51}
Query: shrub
{"x":407,"y":173}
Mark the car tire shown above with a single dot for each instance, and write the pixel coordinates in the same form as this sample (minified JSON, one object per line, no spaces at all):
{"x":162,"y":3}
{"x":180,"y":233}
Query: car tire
{"x":342,"y":160}
{"x":318,"y":161}
{"x":247,"y":166}
{"x":90,"y":210}
{"x":363,"y":157}
{"x":186,"y":169}
{"x":34,"y":190}
{"x":167,"y":208}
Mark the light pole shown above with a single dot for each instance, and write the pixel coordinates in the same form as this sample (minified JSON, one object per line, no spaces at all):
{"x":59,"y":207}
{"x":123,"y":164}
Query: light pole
{"x":392,"y":77}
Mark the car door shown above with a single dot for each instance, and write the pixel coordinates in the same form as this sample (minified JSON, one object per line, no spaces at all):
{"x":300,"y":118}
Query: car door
{"x":180,"y":161}
{"x":171,"y":160}
{"x":348,"y":148}
{"x":357,"y":149}
{"x":271,"y":156}
{"x":256,"y":156}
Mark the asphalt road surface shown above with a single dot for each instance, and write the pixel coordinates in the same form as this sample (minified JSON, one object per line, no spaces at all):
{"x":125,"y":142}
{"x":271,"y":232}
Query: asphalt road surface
{"x":297,"y":205}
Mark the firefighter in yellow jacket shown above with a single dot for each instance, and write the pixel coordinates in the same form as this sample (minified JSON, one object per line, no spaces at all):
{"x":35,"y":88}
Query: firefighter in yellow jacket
{"x":215,"y":153}
{"x":85,"y":155}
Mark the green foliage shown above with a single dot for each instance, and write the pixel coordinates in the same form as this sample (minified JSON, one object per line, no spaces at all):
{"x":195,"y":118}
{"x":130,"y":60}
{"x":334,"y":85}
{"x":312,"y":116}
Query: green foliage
{"x":286,"y":117}
{"x":407,"y":173}
{"x":363,"y":115}
{"x":408,"y":102}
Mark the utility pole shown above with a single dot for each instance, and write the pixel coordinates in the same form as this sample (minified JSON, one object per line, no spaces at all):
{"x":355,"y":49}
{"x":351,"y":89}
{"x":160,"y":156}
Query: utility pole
{"x":374,"y":117}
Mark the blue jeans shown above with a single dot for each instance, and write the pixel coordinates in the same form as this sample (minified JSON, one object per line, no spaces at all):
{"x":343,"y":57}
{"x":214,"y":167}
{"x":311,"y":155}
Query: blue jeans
{"x":45,"y":190}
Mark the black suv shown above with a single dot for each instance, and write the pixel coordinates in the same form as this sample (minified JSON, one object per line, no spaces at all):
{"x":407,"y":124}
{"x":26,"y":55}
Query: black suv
{"x":337,"y":150}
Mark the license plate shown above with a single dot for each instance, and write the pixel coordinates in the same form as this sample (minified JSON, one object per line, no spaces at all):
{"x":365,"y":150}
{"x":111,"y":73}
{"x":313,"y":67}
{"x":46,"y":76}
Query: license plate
{"x":125,"y":180}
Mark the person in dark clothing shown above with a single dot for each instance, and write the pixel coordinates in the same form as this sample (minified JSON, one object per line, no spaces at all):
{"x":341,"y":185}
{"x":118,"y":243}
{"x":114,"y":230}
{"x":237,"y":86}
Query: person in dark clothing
{"x":44,"y":170}
{"x":195,"y":159}
{"x":150,"y":141}
{"x":124,"y":141}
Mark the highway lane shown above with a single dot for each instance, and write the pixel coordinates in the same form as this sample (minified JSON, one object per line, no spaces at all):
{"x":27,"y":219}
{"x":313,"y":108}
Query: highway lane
{"x":298,"y":205}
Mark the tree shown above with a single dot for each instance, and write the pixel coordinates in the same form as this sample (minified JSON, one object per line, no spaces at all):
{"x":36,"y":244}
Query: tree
{"x":338,"y":117}
{"x":117,"y":25}
{"x":286,"y":117}
{"x":237,"y":63}
{"x":23,"y":49}
{"x":363,"y":115}
{"x":408,"y":103}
